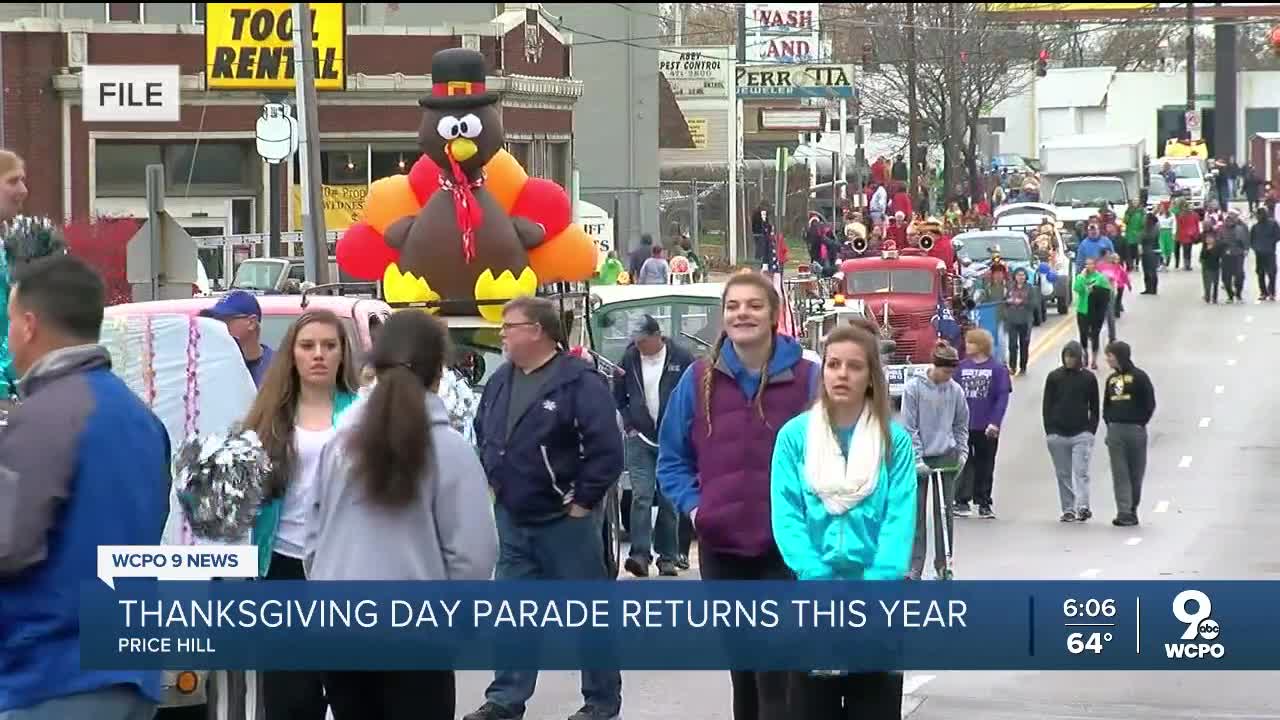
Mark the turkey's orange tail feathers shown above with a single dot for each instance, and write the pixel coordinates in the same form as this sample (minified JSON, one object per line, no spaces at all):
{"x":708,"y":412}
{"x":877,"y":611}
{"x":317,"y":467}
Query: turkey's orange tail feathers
{"x":569,"y":256}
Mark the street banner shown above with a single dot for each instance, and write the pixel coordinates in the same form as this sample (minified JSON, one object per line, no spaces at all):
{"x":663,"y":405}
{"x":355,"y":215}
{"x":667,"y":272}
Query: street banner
{"x":343,"y":205}
{"x":814,"y":625}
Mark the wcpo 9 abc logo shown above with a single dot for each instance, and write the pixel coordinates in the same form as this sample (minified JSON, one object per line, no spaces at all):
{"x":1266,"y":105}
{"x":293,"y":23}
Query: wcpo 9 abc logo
{"x":1194,"y":609}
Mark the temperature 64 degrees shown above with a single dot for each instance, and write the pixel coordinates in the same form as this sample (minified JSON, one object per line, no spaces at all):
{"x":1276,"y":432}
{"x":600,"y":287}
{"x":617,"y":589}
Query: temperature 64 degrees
{"x":1093,"y":642}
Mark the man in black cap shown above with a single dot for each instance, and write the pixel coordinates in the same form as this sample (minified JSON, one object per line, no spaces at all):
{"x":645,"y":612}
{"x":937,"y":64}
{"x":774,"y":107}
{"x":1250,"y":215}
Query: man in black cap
{"x":651,"y":367}
{"x":242,"y":314}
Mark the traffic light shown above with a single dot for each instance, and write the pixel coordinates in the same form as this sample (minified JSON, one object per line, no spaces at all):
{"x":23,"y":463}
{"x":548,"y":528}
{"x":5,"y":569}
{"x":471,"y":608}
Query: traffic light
{"x":868,"y":57}
{"x":1042,"y":64}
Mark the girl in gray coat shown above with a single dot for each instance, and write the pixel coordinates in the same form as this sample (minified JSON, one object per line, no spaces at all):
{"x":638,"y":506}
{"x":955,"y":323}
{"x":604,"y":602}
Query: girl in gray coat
{"x":400,"y":495}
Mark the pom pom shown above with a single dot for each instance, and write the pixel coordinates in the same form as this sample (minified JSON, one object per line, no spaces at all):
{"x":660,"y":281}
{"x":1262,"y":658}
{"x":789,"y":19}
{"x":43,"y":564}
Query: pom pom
{"x":362,"y":252}
{"x":220,"y":480}
{"x":544,"y":202}
{"x":28,"y":238}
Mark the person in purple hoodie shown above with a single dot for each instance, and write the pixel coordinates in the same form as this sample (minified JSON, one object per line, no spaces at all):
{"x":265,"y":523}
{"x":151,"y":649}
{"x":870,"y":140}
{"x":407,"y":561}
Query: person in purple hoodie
{"x":987,"y":387}
{"x":715,"y":456}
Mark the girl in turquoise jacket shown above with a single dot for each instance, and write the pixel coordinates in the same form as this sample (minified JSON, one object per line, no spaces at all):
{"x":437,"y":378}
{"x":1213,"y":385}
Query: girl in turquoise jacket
{"x":844,"y":505}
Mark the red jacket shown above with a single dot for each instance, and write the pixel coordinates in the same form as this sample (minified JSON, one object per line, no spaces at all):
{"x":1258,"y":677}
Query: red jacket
{"x":880,"y":172}
{"x":902,"y":203}
{"x":1188,"y":227}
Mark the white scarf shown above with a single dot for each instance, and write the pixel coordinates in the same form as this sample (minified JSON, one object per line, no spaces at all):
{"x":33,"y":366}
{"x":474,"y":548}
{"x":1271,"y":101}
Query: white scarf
{"x":842,"y":484}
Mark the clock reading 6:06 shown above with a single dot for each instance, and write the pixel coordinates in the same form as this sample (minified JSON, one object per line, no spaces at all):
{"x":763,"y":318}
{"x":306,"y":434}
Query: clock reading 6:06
{"x":1091,"y":608}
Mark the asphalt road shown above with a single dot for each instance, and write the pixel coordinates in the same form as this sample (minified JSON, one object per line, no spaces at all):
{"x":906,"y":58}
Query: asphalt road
{"x":1209,"y":511}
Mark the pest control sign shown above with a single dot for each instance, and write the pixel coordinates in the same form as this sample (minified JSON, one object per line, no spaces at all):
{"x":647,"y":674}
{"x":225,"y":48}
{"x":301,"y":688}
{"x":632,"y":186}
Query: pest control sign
{"x":130,"y":93}
{"x":249,"y":46}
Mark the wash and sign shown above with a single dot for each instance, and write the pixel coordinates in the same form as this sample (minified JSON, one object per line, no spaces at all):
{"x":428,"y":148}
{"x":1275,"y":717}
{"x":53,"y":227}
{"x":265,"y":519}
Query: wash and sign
{"x":249,"y":46}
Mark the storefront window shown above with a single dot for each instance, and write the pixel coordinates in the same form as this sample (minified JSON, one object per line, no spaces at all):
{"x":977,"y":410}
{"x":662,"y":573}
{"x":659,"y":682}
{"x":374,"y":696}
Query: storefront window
{"x":208,"y":163}
{"x":393,"y":162}
{"x":122,"y":167}
{"x":345,"y":167}
{"x":557,"y":167}
{"x":521,"y":152}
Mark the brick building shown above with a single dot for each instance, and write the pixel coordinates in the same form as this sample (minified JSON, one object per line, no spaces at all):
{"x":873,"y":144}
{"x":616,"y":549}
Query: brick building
{"x":215,"y":180}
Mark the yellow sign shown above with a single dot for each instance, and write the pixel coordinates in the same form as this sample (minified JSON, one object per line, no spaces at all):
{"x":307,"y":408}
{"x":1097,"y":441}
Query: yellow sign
{"x":342,"y":205}
{"x":249,"y":46}
{"x":1066,"y":7}
{"x":698,"y":131}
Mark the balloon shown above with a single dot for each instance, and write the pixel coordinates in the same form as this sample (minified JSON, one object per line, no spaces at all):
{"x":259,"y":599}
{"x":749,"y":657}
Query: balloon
{"x":390,"y":199}
{"x":424,"y":178}
{"x":570,"y":256}
{"x":362,"y":252}
{"x":544,"y":202}
{"x":505,"y":179}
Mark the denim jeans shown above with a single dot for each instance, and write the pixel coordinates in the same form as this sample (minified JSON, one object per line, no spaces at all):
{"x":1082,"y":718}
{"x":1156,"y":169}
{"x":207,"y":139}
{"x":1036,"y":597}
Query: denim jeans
{"x":563,"y":549}
{"x":646,"y":533}
{"x":115,"y":703}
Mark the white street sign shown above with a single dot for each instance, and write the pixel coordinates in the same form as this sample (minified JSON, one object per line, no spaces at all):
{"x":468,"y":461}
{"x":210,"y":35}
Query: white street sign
{"x":130,"y":93}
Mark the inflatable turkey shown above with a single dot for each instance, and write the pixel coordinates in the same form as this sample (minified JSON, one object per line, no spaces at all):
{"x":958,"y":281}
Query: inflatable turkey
{"x":467,"y":223}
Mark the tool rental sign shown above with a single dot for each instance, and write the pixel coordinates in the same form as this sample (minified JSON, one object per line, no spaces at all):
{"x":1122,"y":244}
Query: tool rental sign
{"x":249,"y":46}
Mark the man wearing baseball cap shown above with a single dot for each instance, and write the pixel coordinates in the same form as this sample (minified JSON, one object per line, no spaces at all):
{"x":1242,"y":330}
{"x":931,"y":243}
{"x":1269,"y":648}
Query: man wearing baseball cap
{"x":651,"y":366}
{"x":240,"y":311}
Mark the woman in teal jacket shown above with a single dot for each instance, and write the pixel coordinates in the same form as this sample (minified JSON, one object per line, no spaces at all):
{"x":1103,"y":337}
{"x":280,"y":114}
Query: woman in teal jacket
{"x":311,"y":382}
{"x":844,"y":506}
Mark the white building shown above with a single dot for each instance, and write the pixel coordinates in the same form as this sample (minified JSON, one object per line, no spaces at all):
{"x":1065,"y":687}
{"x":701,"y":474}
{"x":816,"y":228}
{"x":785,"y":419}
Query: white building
{"x":1146,"y":104}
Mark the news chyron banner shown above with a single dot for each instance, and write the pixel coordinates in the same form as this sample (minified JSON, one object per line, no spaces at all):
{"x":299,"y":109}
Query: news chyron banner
{"x":249,"y":46}
{"x":130,"y":621}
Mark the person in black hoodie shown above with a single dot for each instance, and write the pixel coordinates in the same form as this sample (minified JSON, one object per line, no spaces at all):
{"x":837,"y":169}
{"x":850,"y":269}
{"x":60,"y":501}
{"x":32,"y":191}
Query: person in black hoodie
{"x":1129,"y":401}
{"x":1263,"y":238}
{"x":651,"y":368}
{"x":1071,"y":416}
{"x":1210,"y":266}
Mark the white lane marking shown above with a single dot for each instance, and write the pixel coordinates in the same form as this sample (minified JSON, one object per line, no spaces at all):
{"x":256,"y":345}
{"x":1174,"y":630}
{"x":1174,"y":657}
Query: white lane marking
{"x":1091,"y":573}
{"x":1162,"y":506}
{"x":1185,"y":462}
{"x":1204,"y":422}
{"x":1248,"y":318}
{"x":1219,"y":389}
{"x":1231,"y":362}
{"x":1133,"y":541}
{"x":1240,"y":338}
{"x":912,"y":683}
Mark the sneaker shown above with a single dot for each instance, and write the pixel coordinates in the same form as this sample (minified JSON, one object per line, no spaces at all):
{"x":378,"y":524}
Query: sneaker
{"x":637,"y":565}
{"x":1068,"y":517}
{"x":682,"y":562}
{"x":1083,"y":514}
{"x":961,"y":510}
{"x":493,"y":711}
{"x":666,"y":568}
{"x":985,"y":513}
{"x":592,"y":712}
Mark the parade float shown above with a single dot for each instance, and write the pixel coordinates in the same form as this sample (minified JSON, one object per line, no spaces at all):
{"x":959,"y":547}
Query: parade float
{"x":466,"y":229}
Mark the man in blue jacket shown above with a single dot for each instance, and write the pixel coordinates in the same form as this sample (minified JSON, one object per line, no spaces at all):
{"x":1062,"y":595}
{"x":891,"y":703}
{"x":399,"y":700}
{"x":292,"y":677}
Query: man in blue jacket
{"x":548,"y":436}
{"x":83,"y":463}
{"x":652,"y":366}
{"x":1095,"y":245}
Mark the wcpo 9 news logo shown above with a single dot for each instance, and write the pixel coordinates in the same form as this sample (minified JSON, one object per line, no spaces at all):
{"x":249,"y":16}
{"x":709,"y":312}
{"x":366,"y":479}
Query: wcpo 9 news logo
{"x":1194,"y":608}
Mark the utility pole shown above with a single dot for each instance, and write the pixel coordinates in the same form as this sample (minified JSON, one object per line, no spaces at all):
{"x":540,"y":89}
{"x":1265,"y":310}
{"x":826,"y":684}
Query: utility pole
{"x":1191,"y":56}
{"x":955,"y":123}
{"x":735,"y":137}
{"x":314,"y":238}
{"x":913,"y":108}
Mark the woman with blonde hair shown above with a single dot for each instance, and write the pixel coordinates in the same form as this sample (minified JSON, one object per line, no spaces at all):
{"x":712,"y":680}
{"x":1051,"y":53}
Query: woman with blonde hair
{"x":715,"y":447}
{"x":844,"y":506}
{"x":987,"y":387}
{"x":311,"y":381}
{"x":13,"y":195}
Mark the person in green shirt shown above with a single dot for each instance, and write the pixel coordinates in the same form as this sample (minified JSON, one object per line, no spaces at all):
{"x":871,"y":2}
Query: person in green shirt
{"x":1135,"y":218}
{"x":609,"y":271}
{"x":1092,"y":292}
